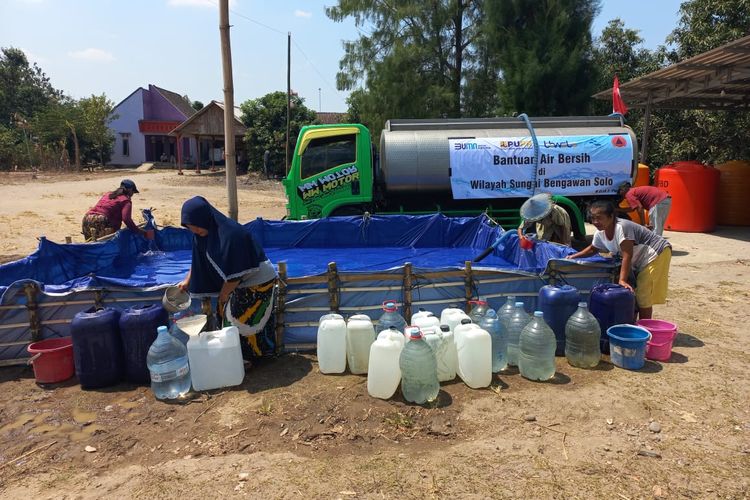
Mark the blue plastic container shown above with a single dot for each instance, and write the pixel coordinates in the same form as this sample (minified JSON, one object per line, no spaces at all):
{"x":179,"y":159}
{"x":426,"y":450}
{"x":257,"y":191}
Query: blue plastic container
{"x":558,"y":303}
{"x":138,"y":326}
{"x":628,"y":346}
{"x":611,"y":304}
{"x":97,"y":349}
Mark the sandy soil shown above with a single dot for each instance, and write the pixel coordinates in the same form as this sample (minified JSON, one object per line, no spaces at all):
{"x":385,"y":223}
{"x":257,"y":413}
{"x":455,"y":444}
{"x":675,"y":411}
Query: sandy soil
{"x":290,"y":432}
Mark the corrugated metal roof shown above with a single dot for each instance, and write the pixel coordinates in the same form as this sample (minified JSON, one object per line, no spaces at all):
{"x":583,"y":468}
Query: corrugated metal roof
{"x":716,"y":79}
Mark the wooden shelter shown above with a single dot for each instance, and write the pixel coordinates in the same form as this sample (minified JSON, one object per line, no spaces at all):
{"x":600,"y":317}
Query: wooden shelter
{"x":208,"y":123}
{"x":718,"y":79}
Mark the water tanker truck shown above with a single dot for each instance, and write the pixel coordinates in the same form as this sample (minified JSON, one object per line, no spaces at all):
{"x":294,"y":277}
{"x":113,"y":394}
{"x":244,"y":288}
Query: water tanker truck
{"x":459,"y":166}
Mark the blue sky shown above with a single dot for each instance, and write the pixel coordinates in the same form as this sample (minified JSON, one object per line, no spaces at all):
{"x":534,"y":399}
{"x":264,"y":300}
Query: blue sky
{"x":114,"y":46}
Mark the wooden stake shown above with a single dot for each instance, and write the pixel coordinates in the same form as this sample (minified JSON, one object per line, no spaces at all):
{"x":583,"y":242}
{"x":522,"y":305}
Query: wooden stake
{"x":40,"y":448}
{"x":280,"y":306}
{"x":333,"y":292}
{"x":468,"y":281}
{"x":32,"y":291}
{"x":408,"y":284}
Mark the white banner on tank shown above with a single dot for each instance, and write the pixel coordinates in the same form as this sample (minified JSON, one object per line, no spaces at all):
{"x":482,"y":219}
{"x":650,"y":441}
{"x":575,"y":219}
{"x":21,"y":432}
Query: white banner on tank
{"x":503,"y":167}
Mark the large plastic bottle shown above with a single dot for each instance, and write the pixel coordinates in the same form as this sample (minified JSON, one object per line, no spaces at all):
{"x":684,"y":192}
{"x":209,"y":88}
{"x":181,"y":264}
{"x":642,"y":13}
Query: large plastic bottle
{"x":491,"y":323}
{"x":360,"y":334}
{"x":506,"y":310}
{"x":391,"y":317}
{"x":215,"y":359}
{"x":168,"y":365}
{"x":427,"y":323}
{"x":452,"y":316}
{"x":384,"y":371}
{"x":517,"y":321}
{"x":582,"y":334}
{"x":446,"y":355}
{"x":536,"y":349}
{"x":420,"y":312}
{"x":419,"y":380}
{"x":474,"y":347}
{"x":331,"y":344}
{"x":478,"y":309}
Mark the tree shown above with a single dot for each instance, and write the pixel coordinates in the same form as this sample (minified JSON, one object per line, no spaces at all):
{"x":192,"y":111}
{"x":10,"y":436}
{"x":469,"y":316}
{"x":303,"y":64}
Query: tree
{"x":197,"y":105}
{"x":544,"y":50}
{"x":24,"y":88}
{"x":714,"y":136}
{"x":265,"y":119}
{"x":96,"y":114}
{"x":416,"y":59}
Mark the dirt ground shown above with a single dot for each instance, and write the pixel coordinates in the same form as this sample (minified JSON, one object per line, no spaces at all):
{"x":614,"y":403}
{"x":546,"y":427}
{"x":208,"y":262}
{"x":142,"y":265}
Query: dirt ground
{"x":674,"y":429}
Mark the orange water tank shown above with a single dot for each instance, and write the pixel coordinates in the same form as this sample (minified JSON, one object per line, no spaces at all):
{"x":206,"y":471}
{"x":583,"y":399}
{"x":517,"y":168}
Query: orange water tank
{"x":693,"y":188}
{"x":734,"y":187}
{"x":643,"y":176}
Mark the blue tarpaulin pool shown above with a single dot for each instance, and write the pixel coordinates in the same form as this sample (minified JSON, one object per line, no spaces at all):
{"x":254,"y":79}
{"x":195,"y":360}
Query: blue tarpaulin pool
{"x":128,"y":269}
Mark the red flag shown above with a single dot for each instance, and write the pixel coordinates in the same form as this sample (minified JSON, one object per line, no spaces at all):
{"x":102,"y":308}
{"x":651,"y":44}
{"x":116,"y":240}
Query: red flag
{"x":618,"y":105}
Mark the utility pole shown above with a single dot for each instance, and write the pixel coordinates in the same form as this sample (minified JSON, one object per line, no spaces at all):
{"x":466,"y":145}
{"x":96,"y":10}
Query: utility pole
{"x":288,"y":96}
{"x":320,"y":101}
{"x":230,"y":160}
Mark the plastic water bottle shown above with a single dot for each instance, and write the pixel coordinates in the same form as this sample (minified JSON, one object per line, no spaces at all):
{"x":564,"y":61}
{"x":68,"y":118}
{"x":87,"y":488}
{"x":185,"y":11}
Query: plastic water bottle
{"x":427,"y":323}
{"x":478,"y":309}
{"x":517,"y":321}
{"x":536,"y":349}
{"x":582,"y":334}
{"x":446,"y":354}
{"x":419,"y":379}
{"x":474,"y":346}
{"x":491,"y":323}
{"x":331,"y":344}
{"x":506,"y":311}
{"x":452,"y":317}
{"x":391,"y":317}
{"x":383,"y":372}
{"x":360,"y":335}
{"x":420,"y":312}
{"x":167,"y":362}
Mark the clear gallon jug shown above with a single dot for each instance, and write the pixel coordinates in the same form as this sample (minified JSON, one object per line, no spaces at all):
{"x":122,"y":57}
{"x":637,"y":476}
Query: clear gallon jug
{"x":168,"y":366}
{"x":442,"y":344}
{"x":216,"y":359}
{"x":582,"y":335}
{"x":478,"y":309}
{"x":517,"y":321}
{"x":419,"y":380}
{"x":360,"y":334}
{"x":384,"y":371}
{"x":474,"y":347}
{"x":331,"y":344}
{"x":491,"y":323}
{"x":391,"y":317}
{"x":536,"y":353}
{"x":506,"y":310}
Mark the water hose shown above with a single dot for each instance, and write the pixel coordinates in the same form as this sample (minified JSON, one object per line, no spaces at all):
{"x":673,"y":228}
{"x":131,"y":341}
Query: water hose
{"x":524,"y":117}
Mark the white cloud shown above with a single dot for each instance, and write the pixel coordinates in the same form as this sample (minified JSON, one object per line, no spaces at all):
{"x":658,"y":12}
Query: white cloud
{"x":91,"y":54}
{"x":302,"y":13}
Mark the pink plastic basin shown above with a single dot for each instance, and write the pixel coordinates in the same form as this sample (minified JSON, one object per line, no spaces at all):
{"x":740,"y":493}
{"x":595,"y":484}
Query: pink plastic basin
{"x":663,"y":333}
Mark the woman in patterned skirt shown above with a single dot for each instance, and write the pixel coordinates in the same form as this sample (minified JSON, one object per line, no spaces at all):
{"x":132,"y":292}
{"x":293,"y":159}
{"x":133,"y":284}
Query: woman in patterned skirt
{"x":228,"y":263}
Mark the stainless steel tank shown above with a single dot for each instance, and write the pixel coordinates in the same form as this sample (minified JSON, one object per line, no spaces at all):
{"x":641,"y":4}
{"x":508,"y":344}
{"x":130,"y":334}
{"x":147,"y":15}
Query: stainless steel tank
{"x":414,"y":154}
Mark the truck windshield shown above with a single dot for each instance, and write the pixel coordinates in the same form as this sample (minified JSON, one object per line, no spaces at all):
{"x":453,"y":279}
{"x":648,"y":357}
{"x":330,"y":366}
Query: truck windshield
{"x":328,"y":152}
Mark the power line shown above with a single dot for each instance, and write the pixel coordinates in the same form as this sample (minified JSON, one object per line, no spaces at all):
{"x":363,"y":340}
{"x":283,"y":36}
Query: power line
{"x":294,"y":42}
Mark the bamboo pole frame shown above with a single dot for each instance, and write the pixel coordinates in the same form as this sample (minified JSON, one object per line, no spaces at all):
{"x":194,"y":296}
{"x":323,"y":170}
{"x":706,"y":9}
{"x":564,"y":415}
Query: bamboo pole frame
{"x":280,"y":307}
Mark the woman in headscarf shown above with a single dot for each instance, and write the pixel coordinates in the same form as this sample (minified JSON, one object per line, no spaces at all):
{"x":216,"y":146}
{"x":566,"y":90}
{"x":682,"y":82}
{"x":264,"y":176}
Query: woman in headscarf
{"x":228,"y":263}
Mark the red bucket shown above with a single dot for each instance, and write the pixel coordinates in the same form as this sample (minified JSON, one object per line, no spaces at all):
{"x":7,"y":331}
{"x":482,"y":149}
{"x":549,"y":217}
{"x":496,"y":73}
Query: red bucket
{"x":52,"y":360}
{"x":663,"y":333}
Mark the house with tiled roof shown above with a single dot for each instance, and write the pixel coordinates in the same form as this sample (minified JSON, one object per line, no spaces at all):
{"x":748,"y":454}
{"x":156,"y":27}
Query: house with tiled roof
{"x":141,"y":124}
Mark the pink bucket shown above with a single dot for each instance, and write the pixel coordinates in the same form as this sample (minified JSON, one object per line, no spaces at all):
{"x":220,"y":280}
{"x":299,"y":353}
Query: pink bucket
{"x":663,"y":334}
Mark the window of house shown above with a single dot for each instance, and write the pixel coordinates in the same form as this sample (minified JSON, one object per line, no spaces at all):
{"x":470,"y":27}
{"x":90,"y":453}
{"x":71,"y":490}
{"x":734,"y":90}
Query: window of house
{"x":328,"y":152}
{"x":125,"y":144}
